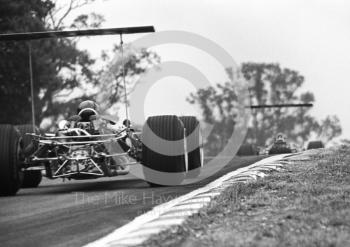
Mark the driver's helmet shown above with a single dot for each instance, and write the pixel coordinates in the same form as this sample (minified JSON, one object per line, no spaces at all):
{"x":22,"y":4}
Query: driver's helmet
{"x":280,"y":138}
{"x":86,"y":109}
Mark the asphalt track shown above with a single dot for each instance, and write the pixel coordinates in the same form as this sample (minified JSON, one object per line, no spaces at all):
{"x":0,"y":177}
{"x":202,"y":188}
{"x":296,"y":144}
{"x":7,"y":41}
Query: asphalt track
{"x":75,"y":213}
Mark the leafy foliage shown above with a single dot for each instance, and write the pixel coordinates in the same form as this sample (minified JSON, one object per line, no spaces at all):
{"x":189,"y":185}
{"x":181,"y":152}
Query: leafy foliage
{"x":268,"y":84}
{"x":218,"y":106}
{"x":54,"y":63}
{"x":110,"y":77}
{"x":63,"y":74}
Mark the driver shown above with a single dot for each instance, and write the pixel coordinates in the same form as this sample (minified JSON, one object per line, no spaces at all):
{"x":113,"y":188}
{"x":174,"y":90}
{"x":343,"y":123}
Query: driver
{"x":280,"y":138}
{"x":88,"y":111}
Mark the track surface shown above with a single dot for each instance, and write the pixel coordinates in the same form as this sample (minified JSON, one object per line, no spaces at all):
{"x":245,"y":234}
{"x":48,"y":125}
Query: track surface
{"x":77,"y":212}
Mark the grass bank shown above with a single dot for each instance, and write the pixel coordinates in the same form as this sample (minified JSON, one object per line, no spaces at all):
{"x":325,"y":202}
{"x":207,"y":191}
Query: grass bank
{"x":305,"y":204}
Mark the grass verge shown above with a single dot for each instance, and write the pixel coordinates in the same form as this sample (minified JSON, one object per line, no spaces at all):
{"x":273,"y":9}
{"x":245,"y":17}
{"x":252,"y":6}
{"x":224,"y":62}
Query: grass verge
{"x":305,"y":204}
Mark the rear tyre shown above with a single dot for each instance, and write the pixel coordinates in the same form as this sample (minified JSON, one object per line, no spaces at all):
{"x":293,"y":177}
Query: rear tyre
{"x":315,"y":145}
{"x":166,"y":128}
{"x":193,"y":138}
{"x":31,"y":179}
{"x":10,"y":172}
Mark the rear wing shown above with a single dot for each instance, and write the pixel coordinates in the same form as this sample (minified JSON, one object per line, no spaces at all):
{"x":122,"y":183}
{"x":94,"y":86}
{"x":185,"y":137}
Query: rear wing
{"x":280,"y":106}
{"x":75,"y":33}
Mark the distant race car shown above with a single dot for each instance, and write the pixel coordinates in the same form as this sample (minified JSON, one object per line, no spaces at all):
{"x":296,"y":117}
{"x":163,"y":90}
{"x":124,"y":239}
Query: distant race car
{"x":280,"y":145}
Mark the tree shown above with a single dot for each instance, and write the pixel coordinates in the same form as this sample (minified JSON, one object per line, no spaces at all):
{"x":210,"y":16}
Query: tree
{"x":218,"y":106}
{"x":54,"y":62}
{"x":63,"y":74}
{"x":345,"y":142}
{"x":268,"y":84}
{"x":109,"y":88}
{"x":329,"y":128}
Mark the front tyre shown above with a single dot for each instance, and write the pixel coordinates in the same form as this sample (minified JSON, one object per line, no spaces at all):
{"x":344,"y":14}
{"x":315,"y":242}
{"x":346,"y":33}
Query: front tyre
{"x":10,"y":173}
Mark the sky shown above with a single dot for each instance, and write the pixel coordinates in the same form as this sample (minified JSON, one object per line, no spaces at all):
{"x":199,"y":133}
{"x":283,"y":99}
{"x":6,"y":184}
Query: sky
{"x":312,"y":37}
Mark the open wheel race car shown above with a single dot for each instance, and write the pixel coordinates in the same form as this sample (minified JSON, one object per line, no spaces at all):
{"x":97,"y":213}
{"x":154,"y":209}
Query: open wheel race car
{"x":83,"y":148}
{"x":82,"y":152}
{"x":280,"y":145}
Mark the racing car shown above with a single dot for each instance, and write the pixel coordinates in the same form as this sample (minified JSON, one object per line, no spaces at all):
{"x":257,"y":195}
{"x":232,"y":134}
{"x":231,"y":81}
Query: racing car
{"x":280,"y":145}
{"x":84,"y":147}
{"x":84,"y":152}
